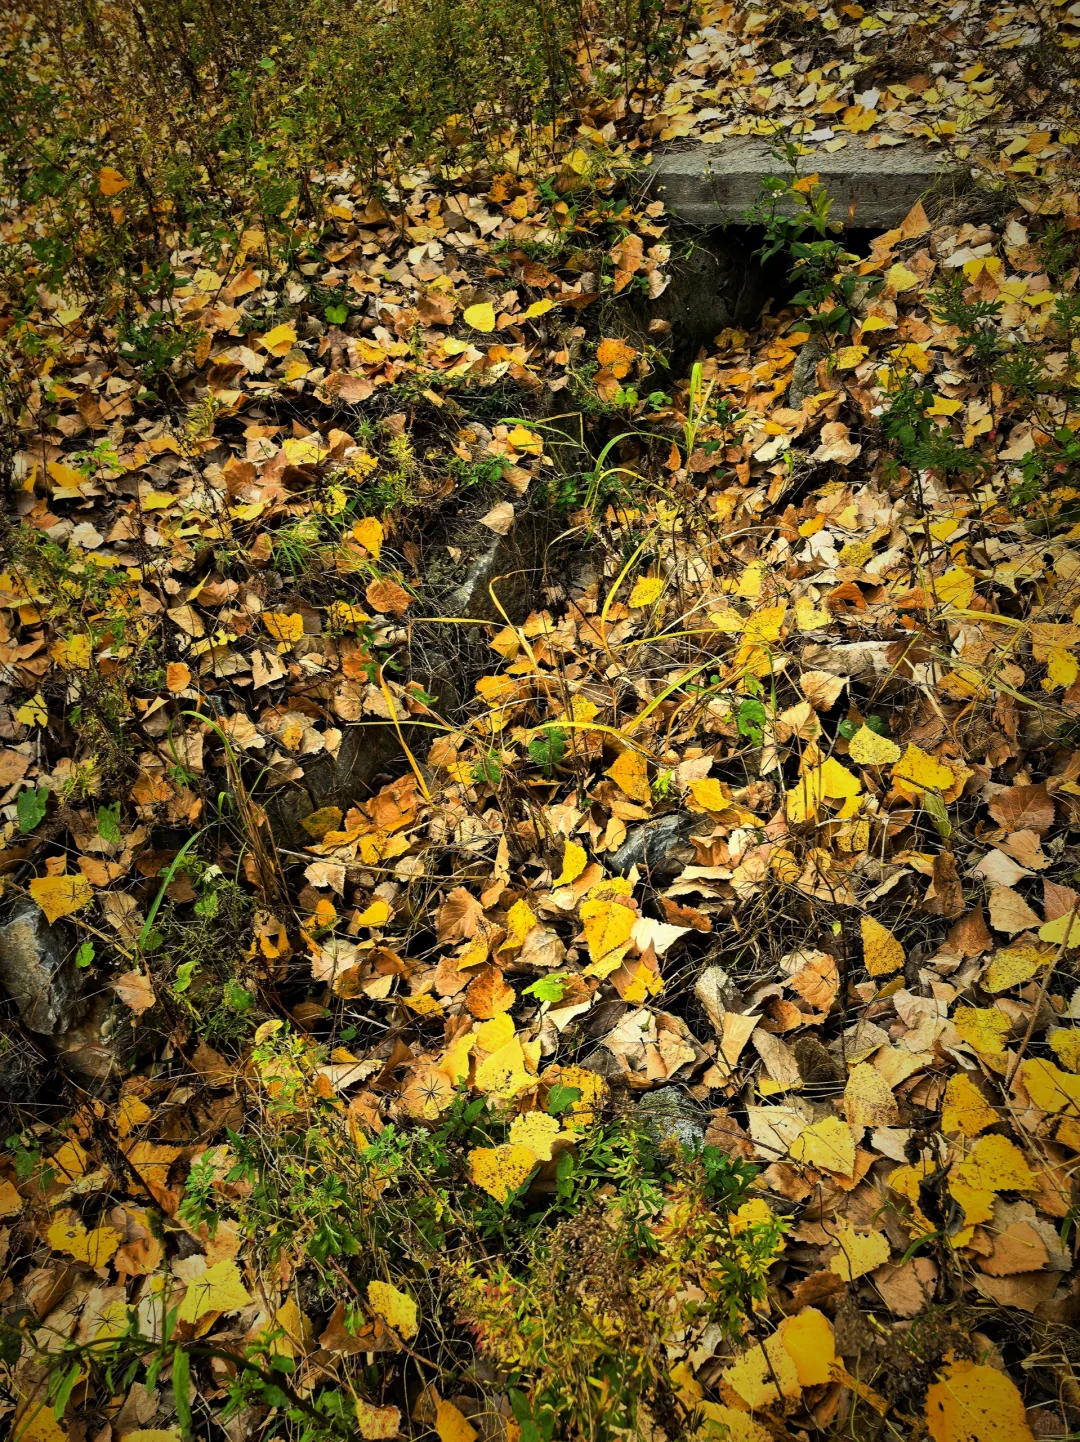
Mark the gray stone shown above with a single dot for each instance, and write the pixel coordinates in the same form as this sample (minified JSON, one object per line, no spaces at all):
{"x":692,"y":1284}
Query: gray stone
{"x":673,"y":1117}
{"x":716,"y":184}
{"x":38,"y":972}
{"x":660,"y":846}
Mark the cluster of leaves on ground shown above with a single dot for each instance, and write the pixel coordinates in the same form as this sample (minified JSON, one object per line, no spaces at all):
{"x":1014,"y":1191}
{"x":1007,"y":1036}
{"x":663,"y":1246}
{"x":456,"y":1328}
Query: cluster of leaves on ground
{"x":680,"y":1035}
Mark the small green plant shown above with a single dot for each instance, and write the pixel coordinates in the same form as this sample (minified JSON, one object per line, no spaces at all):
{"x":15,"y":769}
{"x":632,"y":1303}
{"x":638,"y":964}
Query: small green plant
{"x":548,"y":749}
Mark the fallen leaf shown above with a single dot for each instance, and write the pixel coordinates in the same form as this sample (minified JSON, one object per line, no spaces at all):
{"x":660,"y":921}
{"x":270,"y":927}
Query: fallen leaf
{"x":860,"y":1252}
{"x":395,"y":1308}
{"x":976,"y":1404}
{"x":60,"y":895}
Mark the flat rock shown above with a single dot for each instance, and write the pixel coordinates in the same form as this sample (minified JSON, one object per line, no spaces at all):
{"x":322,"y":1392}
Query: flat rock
{"x":715,"y":184}
{"x":37,"y":971}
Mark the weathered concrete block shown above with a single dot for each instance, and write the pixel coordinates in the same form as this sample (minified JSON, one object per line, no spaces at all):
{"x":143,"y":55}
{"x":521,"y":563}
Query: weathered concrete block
{"x":714,"y":184}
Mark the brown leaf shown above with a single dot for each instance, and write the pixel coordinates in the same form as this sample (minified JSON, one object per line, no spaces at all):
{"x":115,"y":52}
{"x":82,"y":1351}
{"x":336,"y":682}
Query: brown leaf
{"x":944,"y":895}
{"x":1023,"y":808}
{"x":970,"y":935}
{"x":134,"y":990}
{"x":386,"y":595}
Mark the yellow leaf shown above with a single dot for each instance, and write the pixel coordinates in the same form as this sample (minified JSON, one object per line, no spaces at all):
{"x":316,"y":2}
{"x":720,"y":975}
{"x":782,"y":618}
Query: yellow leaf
{"x":1061,"y":669}
{"x":10,"y":1201}
{"x":763,"y":1374}
{"x":955,"y":588}
{"x":35,"y":1422}
{"x":900,"y":278}
{"x":983,"y":1028}
{"x":374,"y":1422}
{"x":280,"y":340}
{"x":526,"y":441}
{"x":305,"y":450}
{"x":943,"y":406}
{"x":867,"y":748}
{"x":500,"y":1170}
{"x":732,"y":1426}
{"x":859,"y":1252}
{"x":110,"y":181}
{"x":917,"y":772}
{"x":369,"y":533}
{"x":60,"y":895}
{"x":74,"y":653}
{"x":284,"y":626}
{"x":882,"y":953}
{"x":1013,"y":965}
{"x":764,"y":625}
{"x":647,"y":590}
{"x":538,"y":308}
{"x":219,"y":1289}
{"x":996,"y":1165}
{"x":849,"y":356}
{"x":608,"y":926}
{"x":67,"y":1234}
{"x":33,"y":712}
{"x":630,"y":774}
{"x":503,"y":1073}
{"x":837,"y":782}
{"x":751,"y":581}
{"x":1063,"y":930}
{"x":711,"y":794}
{"x":809,"y":617}
{"x":811,"y":1344}
{"x":481,"y":317}
{"x":802,"y":801}
{"x":374,"y":915}
{"x":520,"y":920}
{"x":535,"y":1131}
{"x":965,"y":1108}
{"x":1051,"y":1089}
{"x":574,"y":861}
{"x":827,"y":1143}
{"x":868,"y":1098}
{"x":395,"y":1308}
{"x":976,"y":1404}
{"x":1065,"y":1044}
{"x":493,"y":1034}
{"x":452,"y":1425}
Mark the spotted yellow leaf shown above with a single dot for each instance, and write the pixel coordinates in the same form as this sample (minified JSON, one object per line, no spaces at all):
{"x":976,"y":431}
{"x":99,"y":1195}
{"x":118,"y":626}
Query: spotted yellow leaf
{"x":710,"y":793}
{"x":575,"y":859}
{"x":965,"y":1108}
{"x":868,"y":748}
{"x":500,"y":1170}
{"x":860,"y":1252}
{"x":984,"y":1028}
{"x":1050,"y":1088}
{"x":1013,"y":965}
{"x":395,"y":1308}
{"x":375,"y":1423}
{"x":882,"y":953}
{"x":631,"y":775}
{"x":219,"y":1289}
{"x":646,"y":591}
{"x":284,"y":626}
{"x":1065,"y":1044}
{"x":96,"y":1247}
{"x":520,"y":920}
{"x":996,"y":1165}
{"x":60,"y":895}
{"x":535,"y":1131}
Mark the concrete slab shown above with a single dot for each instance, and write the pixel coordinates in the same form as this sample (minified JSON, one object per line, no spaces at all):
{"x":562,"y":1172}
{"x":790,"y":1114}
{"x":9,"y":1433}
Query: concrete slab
{"x":714,"y":184}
